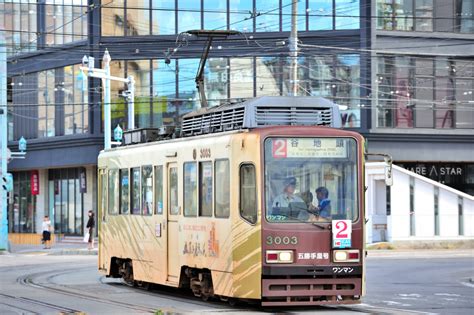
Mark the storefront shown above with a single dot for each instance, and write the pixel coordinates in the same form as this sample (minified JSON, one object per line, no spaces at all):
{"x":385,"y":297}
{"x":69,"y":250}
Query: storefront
{"x":66,"y":188}
{"x":459,"y":176}
{"x":22,"y":203}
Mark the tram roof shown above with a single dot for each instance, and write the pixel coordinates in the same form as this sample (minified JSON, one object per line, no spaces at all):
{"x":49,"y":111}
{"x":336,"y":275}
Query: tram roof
{"x":262,"y":112}
{"x":258,"y":112}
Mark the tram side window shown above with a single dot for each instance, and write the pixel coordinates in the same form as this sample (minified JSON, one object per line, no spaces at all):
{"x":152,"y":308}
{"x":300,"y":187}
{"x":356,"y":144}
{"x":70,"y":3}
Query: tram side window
{"x":173,"y":191}
{"x":124,"y":189}
{"x":103,"y":193}
{"x":113,"y":192}
{"x":222,"y":190}
{"x":248,"y":193}
{"x":135,"y":191}
{"x":205,"y":189}
{"x":190,"y":189}
{"x":147,"y":190}
{"x":159,"y":189}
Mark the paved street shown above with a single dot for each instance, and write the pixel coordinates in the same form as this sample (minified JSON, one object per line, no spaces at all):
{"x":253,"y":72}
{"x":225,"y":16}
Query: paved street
{"x":47,"y":282}
{"x":433,"y":282}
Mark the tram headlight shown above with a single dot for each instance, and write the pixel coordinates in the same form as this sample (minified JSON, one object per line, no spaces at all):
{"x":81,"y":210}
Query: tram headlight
{"x":351,"y":255}
{"x":279,"y":256}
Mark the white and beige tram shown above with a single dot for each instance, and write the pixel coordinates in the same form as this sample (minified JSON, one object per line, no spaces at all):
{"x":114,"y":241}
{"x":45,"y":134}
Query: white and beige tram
{"x":198,"y":211}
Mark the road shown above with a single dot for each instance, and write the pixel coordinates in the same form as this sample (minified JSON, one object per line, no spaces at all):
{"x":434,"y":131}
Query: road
{"x":436,"y":282}
{"x":43,"y":284}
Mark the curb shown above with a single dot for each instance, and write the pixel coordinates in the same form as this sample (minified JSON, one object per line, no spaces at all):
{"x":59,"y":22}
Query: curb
{"x":84,"y":252}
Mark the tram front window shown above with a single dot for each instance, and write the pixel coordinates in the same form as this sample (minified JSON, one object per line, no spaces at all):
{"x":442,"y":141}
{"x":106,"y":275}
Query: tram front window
{"x":311,"y":179}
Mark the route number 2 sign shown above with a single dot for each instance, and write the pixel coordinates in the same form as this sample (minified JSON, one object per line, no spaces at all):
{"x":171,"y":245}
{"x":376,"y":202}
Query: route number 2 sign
{"x":279,"y":148}
{"x":341,"y":233}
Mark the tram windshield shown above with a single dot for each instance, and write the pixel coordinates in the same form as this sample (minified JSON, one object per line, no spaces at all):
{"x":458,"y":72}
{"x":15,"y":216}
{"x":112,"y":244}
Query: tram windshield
{"x":311,"y":179}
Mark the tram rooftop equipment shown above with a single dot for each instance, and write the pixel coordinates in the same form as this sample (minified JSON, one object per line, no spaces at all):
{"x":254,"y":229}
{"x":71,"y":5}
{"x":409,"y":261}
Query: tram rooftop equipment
{"x":255,"y":113}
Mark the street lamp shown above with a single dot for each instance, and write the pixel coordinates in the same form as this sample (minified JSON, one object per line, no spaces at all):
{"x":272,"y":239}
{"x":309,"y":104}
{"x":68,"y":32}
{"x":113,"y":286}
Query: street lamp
{"x":22,"y":144}
{"x":118,"y":133}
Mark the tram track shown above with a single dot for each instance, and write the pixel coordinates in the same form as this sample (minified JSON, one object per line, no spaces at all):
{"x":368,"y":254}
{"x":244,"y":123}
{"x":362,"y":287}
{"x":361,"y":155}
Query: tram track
{"x":162,"y":292}
{"x":36,"y":303}
{"x":29,"y":280}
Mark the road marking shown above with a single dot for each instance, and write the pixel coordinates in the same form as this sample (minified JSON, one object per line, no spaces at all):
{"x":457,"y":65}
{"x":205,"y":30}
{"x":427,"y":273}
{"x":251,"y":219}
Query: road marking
{"x":403,"y":311}
{"x":468,"y":284}
{"x":446,"y":294}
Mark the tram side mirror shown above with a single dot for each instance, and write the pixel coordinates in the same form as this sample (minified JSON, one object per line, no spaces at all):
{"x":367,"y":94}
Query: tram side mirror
{"x":388,"y":171}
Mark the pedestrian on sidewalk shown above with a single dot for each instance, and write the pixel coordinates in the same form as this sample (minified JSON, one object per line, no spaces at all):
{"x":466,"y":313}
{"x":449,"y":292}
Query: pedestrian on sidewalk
{"x":46,"y":227}
{"x":90,"y":225}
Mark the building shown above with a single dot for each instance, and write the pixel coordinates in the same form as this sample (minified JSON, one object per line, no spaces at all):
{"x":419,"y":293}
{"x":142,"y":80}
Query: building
{"x":346,"y":55}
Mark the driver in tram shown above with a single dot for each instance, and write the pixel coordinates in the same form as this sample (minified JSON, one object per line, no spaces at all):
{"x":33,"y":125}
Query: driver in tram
{"x":283,"y":200}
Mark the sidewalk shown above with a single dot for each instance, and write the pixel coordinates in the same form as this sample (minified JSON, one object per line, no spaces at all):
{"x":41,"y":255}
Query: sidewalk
{"x":420,"y":253}
{"x":68,"y":246}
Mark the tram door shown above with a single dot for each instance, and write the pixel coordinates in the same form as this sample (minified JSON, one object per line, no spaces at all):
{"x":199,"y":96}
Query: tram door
{"x":173,"y":214}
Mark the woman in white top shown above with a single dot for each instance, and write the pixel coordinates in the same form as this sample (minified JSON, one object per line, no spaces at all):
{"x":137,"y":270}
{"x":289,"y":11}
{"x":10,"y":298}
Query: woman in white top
{"x":46,"y":227}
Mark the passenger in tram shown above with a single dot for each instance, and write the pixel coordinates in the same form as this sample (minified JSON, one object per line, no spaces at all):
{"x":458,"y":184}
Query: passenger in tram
{"x":324,"y":204}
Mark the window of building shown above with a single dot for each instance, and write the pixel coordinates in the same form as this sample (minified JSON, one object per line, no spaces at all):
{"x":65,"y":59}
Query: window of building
{"x":22,"y":210}
{"x":222,"y":189}
{"x":124,"y":191}
{"x":240,"y":18}
{"x":135,"y":190}
{"x":64,"y":16}
{"x":163,"y":91}
{"x":141,"y":71}
{"x":320,"y":16}
{"x":426,"y":15}
{"x":66,"y":200}
{"x":215,"y":15}
{"x":248,"y":193}
{"x":190,"y":189}
{"x":138,"y":17}
{"x":286,"y":9}
{"x":173,"y":191}
{"x":189,"y":15}
{"x":187,"y":91}
{"x":347,"y":14}
{"x":20,"y":25}
{"x":421,"y":92}
{"x":46,"y":104}
{"x":147,"y":190}
{"x":205,"y":189}
{"x":163,"y":17}
{"x":69,"y":92}
{"x":269,"y":19}
{"x":118,"y":107}
{"x":113,"y":18}
{"x":241,"y":77}
{"x":268,"y":76}
{"x":114,"y":196}
{"x":216,"y":81}
{"x":159,"y":189}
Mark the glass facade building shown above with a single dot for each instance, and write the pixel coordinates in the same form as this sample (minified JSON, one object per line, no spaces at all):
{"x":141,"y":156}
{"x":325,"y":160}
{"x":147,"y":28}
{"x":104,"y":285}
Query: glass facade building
{"x":386,"y":89}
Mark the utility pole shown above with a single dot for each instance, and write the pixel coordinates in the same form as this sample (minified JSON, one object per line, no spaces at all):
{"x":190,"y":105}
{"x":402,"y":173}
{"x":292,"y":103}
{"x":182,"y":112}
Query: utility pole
{"x":104,"y":74}
{"x":3,"y":140}
{"x":293,"y":45}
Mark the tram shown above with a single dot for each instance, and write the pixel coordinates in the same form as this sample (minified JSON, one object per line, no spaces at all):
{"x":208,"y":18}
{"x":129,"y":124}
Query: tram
{"x":233,"y":207}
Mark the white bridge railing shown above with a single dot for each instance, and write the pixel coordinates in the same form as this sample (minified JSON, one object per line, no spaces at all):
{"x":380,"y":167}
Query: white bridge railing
{"x":415,"y":209}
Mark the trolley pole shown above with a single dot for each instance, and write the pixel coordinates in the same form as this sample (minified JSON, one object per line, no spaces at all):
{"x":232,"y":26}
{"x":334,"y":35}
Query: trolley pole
{"x":107,"y":119}
{"x":104,"y":74}
{"x":293,"y":45}
{"x":3,"y":141}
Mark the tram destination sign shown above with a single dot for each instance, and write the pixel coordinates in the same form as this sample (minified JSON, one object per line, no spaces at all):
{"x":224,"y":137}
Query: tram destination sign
{"x":309,"y":148}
